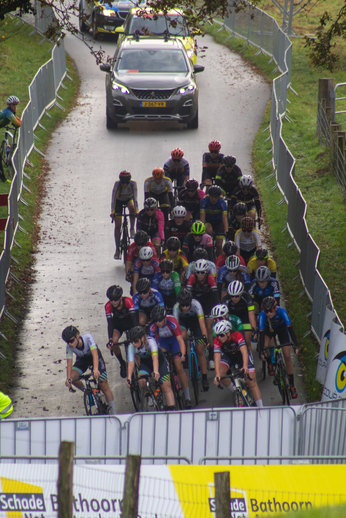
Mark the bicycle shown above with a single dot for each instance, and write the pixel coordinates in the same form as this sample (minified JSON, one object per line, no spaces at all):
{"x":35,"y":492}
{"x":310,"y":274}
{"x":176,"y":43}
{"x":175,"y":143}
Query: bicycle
{"x":135,"y":390}
{"x":242,"y":394}
{"x":194,"y":370}
{"x":177,"y":390}
{"x":124,"y":243}
{"x":94,"y":400}
{"x":6,"y":152}
{"x":152,"y":396}
{"x":280,"y":372}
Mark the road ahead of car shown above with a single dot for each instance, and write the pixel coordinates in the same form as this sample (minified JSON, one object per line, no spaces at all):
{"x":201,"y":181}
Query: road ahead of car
{"x":75,"y":262}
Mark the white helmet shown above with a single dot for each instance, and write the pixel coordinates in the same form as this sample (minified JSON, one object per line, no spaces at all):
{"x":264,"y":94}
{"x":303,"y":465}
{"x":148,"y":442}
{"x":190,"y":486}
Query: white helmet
{"x":232,"y":263}
{"x":12,"y":100}
{"x":220,"y":310}
{"x":201,"y":265}
{"x":223,"y":327}
{"x":179,"y":212}
{"x":235,"y":288}
{"x":246,"y":181}
{"x":146,"y":253}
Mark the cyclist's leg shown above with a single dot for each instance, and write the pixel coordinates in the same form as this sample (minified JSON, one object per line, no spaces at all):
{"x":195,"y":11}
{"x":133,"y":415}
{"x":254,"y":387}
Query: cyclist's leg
{"x":142,"y":318}
{"x":252,"y":384}
{"x":199,"y":346}
{"x":251,"y":211}
{"x":132,"y":210}
{"x":116,"y":349}
{"x":156,"y":241}
{"x":80,"y":366}
{"x":165,"y":381}
{"x":209,"y":229}
{"x":171,"y":343}
{"x":284,"y":338}
{"x":164,"y":204}
{"x":104,"y":383}
{"x":225,"y":365}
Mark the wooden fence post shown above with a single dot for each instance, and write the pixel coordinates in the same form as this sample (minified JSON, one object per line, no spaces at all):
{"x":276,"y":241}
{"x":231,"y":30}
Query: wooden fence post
{"x":325,"y":89}
{"x":222,"y":485}
{"x":131,"y":486}
{"x":65,"y":480}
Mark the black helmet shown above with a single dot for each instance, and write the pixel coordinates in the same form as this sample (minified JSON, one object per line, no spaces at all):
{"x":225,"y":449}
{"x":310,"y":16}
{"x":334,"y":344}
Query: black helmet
{"x":184,"y":297}
{"x":261,"y":254}
{"x":200,"y":253}
{"x":114,"y":292}
{"x":229,"y":161}
{"x":141,"y":238}
{"x":125,"y":177}
{"x":239,"y":209}
{"x":143,"y":285}
{"x":69,"y":333}
{"x":230,"y":248}
{"x":136,"y":332}
{"x":268,"y":304}
{"x":214,"y":190}
{"x":166,"y":264}
{"x":158,"y":313}
{"x":173,"y":243}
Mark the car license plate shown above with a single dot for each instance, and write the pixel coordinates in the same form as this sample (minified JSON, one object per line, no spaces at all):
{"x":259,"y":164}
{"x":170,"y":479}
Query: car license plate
{"x":153,"y":104}
{"x":109,"y":27}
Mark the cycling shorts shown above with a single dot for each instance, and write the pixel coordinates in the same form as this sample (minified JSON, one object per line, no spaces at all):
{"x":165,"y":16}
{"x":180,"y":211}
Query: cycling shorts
{"x":169,"y":343}
{"x":281,"y":332}
{"x":192,"y":324}
{"x":146,"y":311}
{"x":237,"y":359}
{"x":218,"y":227}
{"x":251,"y":207}
{"x":152,"y":233}
{"x":169,"y":300}
{"x":247,"y":255}
{"x":119,"y":206}
{"x":121,"y":325}
{"x":82,"y":364}
{"x":208,"y":175}
{"x":146,"y":367}
{"x":162,"y":198}
{"x":207,"y":305}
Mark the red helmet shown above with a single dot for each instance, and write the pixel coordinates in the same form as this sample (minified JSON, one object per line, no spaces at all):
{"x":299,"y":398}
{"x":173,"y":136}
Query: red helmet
{"x":125,"y":176}
{"x":158,"y":172}
{"x":214,"y":145}
{"x":177,"y":154}
{"x":191,"y":184}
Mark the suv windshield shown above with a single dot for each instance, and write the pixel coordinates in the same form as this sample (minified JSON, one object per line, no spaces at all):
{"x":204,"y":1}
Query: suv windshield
{"x":147,"y":25}
{"x":150,"y":60}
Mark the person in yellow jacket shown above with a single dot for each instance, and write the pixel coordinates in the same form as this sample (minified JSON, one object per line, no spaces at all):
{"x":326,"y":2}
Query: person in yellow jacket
{"x":6,"y":406}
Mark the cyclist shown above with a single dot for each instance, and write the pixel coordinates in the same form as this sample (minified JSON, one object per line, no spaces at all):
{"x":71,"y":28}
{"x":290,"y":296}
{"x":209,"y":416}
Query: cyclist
{"x":174,"y":253}
{"x":177,"y":167}
{"x":198,"y":239}
{"x":240,"y":304}
{"x":264,"y":286}
{"x":200,"y":253}
{"x":159,"y":187}
{"x":121,"y":316}
{"x":190,"y":198}
{"x":124,"y":193}
{"x":189,"y":314}
{"x":246,"y":193}
{"x":141,"y":239}
{"x":152,"y":221}
{"x":228,"y":175}
{"x":231,"y":271}
{"x":211,"y":162}
{"x":202,"y":286}
{"x":235,"y":217}
{"x":178,"y":226}
{"x":261,"y":258}
{"x":6,"y":406}
{"x":151,"y":361}
{"x":88,"y":356}
{"x":220,"y":312}
{"x":166,"y":330}
{"x":214,"y":216}
{"x":145,"y":299}
{"x":145,"y":266}
{"x":229,"y":248}
{"x":247,"y":239}
{"x":229,"y":350}
{"x":8,"y":115}
{"x":274,"y":320}
{"x":167,"y":282}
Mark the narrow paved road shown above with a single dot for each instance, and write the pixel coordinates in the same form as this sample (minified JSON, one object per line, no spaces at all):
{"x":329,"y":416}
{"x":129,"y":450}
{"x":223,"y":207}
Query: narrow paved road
{"x":75,"y":262}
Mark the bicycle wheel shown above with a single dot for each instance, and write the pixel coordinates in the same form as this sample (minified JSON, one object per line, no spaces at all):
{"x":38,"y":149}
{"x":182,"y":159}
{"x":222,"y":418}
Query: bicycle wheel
{"x":136,"y":395}
{"x":287,"y":391}
{"x":90,"y":404}
{"x":194,"y":377}
{"x":149,"y":402}
{"x":180,"y":399}
{"x":279,"y":378}
{"x":239,"y":399}
{"x":102,"y":406}
{"x":125,"y":240}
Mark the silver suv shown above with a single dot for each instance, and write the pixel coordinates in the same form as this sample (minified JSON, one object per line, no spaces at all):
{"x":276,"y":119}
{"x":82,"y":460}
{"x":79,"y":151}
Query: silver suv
{"x":151,"y":80}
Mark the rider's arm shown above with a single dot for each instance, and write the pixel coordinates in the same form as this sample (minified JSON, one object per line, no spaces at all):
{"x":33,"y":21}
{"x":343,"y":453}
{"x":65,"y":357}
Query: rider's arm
{"x":69,"y":368}
{"x":95,"y":357}
{"x":217,"y":358}
{"x":176,"y":282}
{"x":114,"y":197}
{"x":252,"y":318}
{"x":202,"y":326}
{"x":182,"y":345}
{"x":135,"y":194}
{"x":130,"y":367}
{"x":244,"y":353}
{"x":293,"y":337}
{"x":160,"y":224}
{"x":16,"y":121}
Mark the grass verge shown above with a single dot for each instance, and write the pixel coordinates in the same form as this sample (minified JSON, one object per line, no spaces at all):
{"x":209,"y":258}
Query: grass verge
{"x":21,"y":57}
{"x":325,"y":512}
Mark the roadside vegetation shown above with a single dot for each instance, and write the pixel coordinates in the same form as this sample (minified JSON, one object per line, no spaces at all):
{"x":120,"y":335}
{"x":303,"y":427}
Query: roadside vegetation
{"x":326,"y":213}
{"x":21,"y":57}
{"x":325,"y":512}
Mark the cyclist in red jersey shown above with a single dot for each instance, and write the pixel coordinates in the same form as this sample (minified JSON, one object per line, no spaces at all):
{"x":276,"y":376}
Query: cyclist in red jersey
{"x":229,"y":248}
{"x":141,"y":239}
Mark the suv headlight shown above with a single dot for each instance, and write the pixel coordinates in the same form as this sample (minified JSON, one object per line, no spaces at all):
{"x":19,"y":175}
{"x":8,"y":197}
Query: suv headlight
{"x":190,"y":53}
{"x":108,"y":12}
{"x":121,"y":88}
{"x":187,"y":89}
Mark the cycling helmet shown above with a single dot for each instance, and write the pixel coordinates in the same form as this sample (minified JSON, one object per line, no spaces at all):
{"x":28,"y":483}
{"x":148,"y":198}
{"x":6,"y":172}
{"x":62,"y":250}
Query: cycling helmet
{"x":150,"y":203}
{"x":114,"y":292}
{"x":232,"y":263}
{"x":166,"y":264}
{"x":146,"y":253}
{"x":199,"y":253}
{"x":229,"y":248}
{"x":69,"y":333}
{"x":220,"y":310}
{"x":268,"y":304}
{"x":223,"y":327}
{"x":246,"y":181}
{"x":141,"y":238}
{"x":214,"y":190}
{"x":158,"y":172}
{"x":125,"y":177}
{"x":239,"y":209}
{"x":201,"y":266}
{"x":177,"y":154}
{"x":173,"y":243}
{"x":229,"y":161}
{"x":12,"y":100}
{"x":143,"y":285}
{"x":191,"y":184}
{"x":179,"y":212}
{"x":136,"y":332}
{"x":235,"y":288}
{"x":198,"y":228}
{"x":261,"y":254}
{"x":184,"y":297}
{"x":214,"y":145}
{"x":247,"y":222}
{"x":262,"y":274}
{"x":158,"y":313}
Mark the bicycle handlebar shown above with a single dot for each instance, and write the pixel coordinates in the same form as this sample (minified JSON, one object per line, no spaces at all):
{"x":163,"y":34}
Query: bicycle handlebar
{"x":279,"y":346}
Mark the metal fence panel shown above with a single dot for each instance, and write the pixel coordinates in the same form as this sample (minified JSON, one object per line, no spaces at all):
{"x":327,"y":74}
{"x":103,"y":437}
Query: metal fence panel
{"x":320,"y":302}
{"x":309,"y":264}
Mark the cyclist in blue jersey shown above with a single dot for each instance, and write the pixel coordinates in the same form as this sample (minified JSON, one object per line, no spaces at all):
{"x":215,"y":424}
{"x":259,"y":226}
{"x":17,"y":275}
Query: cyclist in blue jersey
{"x":167,"y":282}
{"x":232,"y":271}
{"x":200,"y":253}
{"x":274,"y":320}
{"x":145,"y":299}
{"x":214,"y":215}
{"x":264,"y":286}
{"x":8,"y":115}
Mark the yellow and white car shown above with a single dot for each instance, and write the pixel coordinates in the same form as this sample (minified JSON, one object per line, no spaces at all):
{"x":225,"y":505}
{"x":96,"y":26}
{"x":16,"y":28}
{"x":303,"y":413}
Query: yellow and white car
{"x":145,"y":22}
